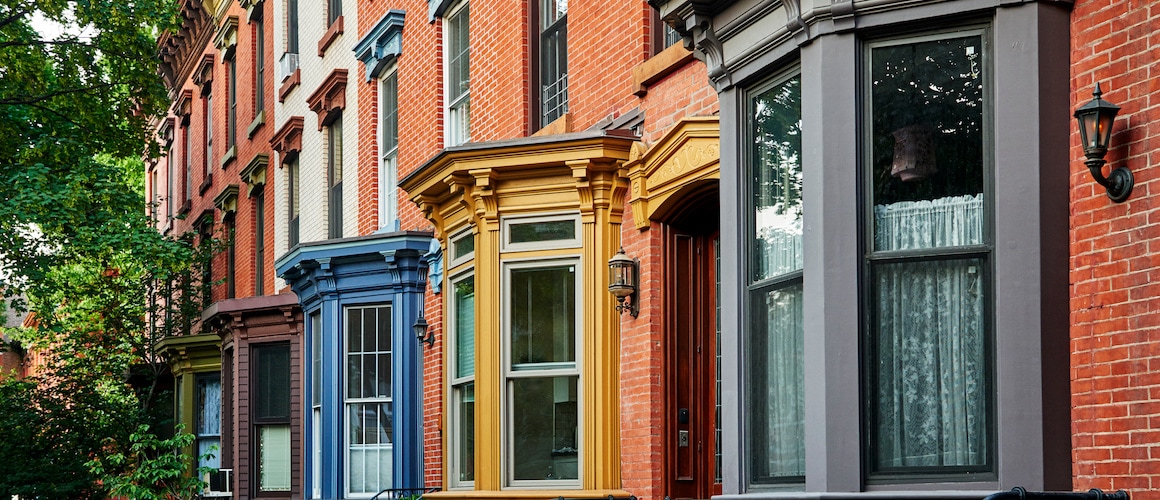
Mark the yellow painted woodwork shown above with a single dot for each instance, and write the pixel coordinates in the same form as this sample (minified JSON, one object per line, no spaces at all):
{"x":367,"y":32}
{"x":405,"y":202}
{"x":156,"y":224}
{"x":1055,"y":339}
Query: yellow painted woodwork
{"x":568,"y":174}
{"x":688,"y":154}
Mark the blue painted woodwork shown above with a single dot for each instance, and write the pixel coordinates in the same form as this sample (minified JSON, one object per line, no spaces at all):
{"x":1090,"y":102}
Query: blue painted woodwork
{"x":330,"y":275}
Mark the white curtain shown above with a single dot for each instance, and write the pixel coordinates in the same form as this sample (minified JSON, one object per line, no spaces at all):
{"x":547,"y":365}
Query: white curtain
{"x":930,"y":337}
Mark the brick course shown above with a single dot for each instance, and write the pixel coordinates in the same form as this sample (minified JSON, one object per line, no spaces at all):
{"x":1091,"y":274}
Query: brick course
{"x":1115,"y":334}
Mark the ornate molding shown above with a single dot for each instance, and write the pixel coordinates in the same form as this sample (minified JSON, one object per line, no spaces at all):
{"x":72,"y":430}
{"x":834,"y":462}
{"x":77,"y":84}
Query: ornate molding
{"x":287,"y":141}
{"x":329,"y":99}
{"x":165,"y":130}
{"x":183,"y":106}
{"x":227,"y":200}
{"x":688,"y":154}
{"x":253,"y":8}
{"x":255,"y":172}
{"x":382,"y":45}
{"x":226,"y":39}
{"x":203,"y":74}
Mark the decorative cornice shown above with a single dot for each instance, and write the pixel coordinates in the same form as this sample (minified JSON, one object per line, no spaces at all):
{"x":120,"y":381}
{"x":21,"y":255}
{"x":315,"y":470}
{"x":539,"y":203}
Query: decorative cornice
{"x":329,"y":99}
{"x":436,"y":8}
{"x":227,"y":200}
{"x":332,"y":33}
{"x":183,"y":106}
{"x":287,"y":141}
{"x":177,"y":50}
{"x":226,"y":39}
{"x":253,"y":8}
{"x":379,"y":48}
{"x":165,"y":131}
{"x":255,"y":172}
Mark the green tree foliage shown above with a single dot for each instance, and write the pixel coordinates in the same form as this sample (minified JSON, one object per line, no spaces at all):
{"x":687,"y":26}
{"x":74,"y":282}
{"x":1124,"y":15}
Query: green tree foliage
{"x":78,"y":250}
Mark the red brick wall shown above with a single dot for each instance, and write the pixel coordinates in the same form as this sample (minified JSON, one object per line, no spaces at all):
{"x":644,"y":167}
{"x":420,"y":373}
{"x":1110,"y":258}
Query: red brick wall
{"x":1115,"y":339}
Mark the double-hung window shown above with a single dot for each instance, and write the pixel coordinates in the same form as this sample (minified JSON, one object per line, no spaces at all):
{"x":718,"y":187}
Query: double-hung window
{"x":462,"y":315}
{"x":928,"y":366}
{"x":259,"y":199}
{"x":207,"y":125}
{"x":457,"y":44}
{"x":369,"y":421}
{"x":541,"y":321}
{"x":232,"y":105}
{"x":259,"y":67}
{"x":271,"y":408}
{"x":208,"y":422}
{"x":315,"y":374}
{"x":292,"y":192}
{"x":774,"y":367}
{"x":334,"y":177}
{"x":553,"y":44}
{"x":333,"y":11}
{"x":389,"y":145}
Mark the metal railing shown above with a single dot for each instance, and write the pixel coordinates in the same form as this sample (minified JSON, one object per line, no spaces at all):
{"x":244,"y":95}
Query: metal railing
{"x":1018,"y":493}
{"x":403,"y":493}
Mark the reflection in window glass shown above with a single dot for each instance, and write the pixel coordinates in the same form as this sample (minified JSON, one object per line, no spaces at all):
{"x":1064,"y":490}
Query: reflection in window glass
{"x":529,"y":232}
{"x":463,"y":310}
{"x":928,"y":366}
{"x":543,"y":316}
{"x":544,"y":444}
{"x":775,"y":370}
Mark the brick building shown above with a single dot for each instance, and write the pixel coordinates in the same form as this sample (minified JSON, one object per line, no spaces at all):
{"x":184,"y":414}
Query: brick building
{"x":1113,"y":262}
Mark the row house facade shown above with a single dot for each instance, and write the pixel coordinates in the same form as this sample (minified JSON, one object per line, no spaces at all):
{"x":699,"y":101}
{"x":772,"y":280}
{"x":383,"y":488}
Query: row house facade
{"x":850,"y":230}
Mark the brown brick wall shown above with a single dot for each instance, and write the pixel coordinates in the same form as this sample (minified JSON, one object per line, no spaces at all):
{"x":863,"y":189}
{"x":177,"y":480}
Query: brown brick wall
{"x":1115,"y":339}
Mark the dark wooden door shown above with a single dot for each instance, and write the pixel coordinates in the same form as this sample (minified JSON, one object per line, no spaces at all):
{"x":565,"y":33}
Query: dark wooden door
{"x":692,"y":335}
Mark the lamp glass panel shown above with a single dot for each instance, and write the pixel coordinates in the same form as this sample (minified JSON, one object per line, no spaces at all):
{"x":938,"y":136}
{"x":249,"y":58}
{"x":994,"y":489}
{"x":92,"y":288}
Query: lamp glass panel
{"x":1104,"y":127}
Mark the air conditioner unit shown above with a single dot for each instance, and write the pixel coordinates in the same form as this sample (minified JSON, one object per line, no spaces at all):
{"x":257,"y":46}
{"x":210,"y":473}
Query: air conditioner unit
{"x":219,"y":483}
{"x":287,"y":65}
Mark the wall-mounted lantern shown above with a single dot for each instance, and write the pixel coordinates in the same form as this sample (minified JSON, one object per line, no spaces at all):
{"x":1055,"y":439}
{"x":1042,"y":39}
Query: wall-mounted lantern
{"x":422,"y":333}
{"x":623,"y":280}
{"x":1095,"y":131}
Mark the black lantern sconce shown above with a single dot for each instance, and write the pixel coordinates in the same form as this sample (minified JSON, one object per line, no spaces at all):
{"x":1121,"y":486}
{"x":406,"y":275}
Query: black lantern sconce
{"x":623,"y":281}
{"x":422,"y":333}
{"x":1095,"y":131}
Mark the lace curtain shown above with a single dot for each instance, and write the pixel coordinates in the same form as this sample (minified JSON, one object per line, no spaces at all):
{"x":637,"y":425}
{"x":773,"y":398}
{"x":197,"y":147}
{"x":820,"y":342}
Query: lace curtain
{"x":930,"y":368}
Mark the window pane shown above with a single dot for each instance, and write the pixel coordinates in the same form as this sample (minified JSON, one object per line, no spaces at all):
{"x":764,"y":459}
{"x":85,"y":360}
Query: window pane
{"x":775,"y":377}
{"x":927,"y":165}
{"x":370,"y":446}
{"x":316,"y":359}
{"x":465,"y":396}
{"x":274,"y":458}
{"x":543,"y":316}
{"x":273,"y":383}
{"x":529,"y":232}
{"x":777,"y":180}
{"x":930,"y":381}
{"x":463,"y":246}
{"x":543,"y":427}
{"x":209,"y":406}
{"x":209,"y":452}
{"x":465,"y":327}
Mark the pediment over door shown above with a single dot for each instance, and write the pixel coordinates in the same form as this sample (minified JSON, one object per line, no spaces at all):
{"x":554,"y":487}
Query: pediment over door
{"x":690,"y":153}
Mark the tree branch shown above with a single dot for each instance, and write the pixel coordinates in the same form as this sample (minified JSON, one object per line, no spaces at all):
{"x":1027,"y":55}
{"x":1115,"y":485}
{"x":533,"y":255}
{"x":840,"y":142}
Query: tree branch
{"x":41,"y":98}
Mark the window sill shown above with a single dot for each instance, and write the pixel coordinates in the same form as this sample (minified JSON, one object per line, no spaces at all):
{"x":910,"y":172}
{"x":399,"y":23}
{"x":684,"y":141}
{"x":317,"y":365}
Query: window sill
{"x":659,"y":66}
{"x":291,"y":82}
{"x":561,"y":125}
{"x":256,"y":124}
{"x":230,"y":156}
{"x":330,"y":36}
{"x":524,"y":494}
{"x":185,"y":207}
{"x":205,"y":184}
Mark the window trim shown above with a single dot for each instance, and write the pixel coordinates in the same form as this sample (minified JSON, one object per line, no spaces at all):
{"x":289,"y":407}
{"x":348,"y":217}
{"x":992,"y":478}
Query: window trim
{"x":453,"y":242}
{"x":552,"y":370}
{"x":506,"y":222}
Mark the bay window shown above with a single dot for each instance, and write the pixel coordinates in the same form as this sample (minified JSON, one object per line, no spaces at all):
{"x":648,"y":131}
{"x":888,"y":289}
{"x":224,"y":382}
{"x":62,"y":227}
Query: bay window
{"x":209,"y":420}
{"x":315,"y":375}
{"x":774,"y":368}
{"x":368,"y":399}
{"x":271,"y":418}
{"x":542,"y":375}
{"x":462,"y":315}
{"x":929,"y":257}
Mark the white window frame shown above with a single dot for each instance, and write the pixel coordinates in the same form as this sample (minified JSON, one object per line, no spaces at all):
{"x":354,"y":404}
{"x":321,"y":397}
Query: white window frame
{"x":388,"y":158}
{"x":454,"y":242}
{"x":453,"y":135}
{"x":506,"y":223}
{"x":347,"y":401}
{"x":551,"y":371}
{"x":457,"y":383}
